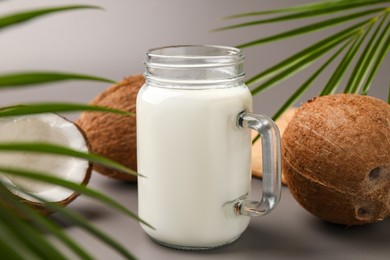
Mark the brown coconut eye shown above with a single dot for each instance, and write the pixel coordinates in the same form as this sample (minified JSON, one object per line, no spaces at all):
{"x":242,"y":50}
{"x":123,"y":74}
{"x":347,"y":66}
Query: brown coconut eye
{"x":374,"y":173}
{"x":362,"y":212}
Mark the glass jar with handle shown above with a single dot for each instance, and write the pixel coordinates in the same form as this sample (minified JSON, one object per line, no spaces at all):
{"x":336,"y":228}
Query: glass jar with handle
{"x":194,"y":116}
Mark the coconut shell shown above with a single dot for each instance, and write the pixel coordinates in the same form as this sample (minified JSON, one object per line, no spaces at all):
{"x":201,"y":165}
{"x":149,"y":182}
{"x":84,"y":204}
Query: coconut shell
{"x":257,"y":164}
{"x":112,"y":135}
{"x":336,"y":158}
{"x":43,"y":208}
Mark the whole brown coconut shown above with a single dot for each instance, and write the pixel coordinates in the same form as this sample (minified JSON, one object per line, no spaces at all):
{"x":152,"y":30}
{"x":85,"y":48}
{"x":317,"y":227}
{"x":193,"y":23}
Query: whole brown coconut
{"x":112,"y":135}
{"x":336,"y":158}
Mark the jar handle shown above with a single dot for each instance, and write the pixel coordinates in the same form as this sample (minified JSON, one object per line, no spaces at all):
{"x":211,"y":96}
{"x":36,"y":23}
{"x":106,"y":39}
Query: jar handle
{"x":271,"y":157}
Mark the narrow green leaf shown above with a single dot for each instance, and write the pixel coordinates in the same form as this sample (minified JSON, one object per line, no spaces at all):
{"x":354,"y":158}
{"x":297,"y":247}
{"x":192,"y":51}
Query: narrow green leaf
{"x":336,"y":77}
{"x":299,"y":92}
{"x":310,"y":58}
{"x":28,"y":236}
{"x":9,"y":252}
{"x":302,"y":54}
{"x":381,"y":49}
{"x":314,"y":6}
{"x":311,"y":27}
{"x":13,"y":240}
{"x":82,"y":222}
{"x":81,"y":189}
{"x":43,"y":77}
{"x":305,"y":86}
{"x":60,"y":150}
{"x":85,"y":224}
{"x":388,"y":97}
{"x":300,"y":15}
{"x":37,"y":108}
{"x":25,"y":16}
{"x":360,"y":70}
{"x":43,"y":222}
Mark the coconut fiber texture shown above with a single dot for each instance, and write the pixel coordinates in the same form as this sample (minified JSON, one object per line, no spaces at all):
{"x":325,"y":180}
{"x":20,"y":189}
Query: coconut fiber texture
{"x":336,"y":158}
{"x":112,"y":135}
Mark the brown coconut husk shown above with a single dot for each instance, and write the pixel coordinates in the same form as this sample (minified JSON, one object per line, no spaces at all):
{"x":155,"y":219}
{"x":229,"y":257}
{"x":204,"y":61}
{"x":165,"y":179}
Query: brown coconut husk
{"x":336,"y":158}
{"x":112,"y":135}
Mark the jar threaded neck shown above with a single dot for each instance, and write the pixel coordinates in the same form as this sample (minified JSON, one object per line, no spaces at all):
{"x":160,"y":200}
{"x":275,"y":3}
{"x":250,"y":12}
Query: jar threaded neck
{"x":194,"y":66}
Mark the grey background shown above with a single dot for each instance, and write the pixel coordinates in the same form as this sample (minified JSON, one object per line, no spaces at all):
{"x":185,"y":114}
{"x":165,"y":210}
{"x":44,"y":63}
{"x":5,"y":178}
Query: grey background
{"x":112,"y":44}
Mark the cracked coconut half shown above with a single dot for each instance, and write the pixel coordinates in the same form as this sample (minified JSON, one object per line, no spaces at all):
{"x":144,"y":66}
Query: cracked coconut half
{"x":43,"y":128}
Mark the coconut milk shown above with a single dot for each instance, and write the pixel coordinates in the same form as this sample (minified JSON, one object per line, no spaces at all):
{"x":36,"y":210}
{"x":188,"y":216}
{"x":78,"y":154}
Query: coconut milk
{"x":195,"y":160}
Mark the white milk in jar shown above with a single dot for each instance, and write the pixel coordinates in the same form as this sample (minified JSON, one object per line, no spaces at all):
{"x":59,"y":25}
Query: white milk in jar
{"x":192,"y":154}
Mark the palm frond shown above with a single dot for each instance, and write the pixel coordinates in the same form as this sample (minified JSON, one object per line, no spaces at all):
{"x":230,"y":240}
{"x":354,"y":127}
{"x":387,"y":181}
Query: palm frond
{"x":364,"y":56}
{"x":61,"y":150}
{"x":291,"y":70}
{"x":306,"y":85}
{"x":41,"y":222}
{"x":361,"y":68}
{"x":312,"y":7}
{"x":388,"y":95}
{"x":24,"y":233}
{"x":19,"y":239}
{"x":342,"y":35}
{"x":312,"y":27}
{"x":381,"y":48}
{"x":333,"y":82}
{"x":38,"y":108}
{"x":25,"y":16}
{"x":76,"y":219}
{"x":43,"y":77}
{"x":328,"y":9}
{"x":81,"y":189}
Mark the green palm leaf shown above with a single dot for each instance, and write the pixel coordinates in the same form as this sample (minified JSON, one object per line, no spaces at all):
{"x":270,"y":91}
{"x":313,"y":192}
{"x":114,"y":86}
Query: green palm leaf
{"x":8,"y":251}
{"x":21,"y":17}
{"x":77,"y":219}
{"x":26,"y":235}
{"x":311,"y":28}
{"x":84,"y":223}
{"x":335,"y":79}
{"x":381,"y":48}
{"x":37,"y":108}
{"x":41,"y":222}
{"x":301,"y":90}
{"x":365,"y":63}
{"x":43,"y":77}
{"x":310,"y":58}
{"x":18,"y":239}
{"x":342,"y":35}
{"x":60,"y":150}
{"x":366,"y":58}
{"x":328,"y":9}
{"x":42,"y":176}
{"x":315,"y":6}
{"x":388,"y":95}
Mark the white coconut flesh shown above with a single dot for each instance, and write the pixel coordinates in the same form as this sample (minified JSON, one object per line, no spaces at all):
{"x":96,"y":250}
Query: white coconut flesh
{"x":42,"y":128}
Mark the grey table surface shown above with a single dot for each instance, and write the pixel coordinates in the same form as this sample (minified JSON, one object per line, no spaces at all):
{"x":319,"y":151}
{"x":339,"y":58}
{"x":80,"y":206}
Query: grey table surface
{"x":288,"y":232}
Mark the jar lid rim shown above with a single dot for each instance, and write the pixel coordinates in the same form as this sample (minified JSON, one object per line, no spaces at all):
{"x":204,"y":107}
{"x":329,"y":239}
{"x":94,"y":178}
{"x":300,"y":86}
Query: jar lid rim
{"x":193,"y":52}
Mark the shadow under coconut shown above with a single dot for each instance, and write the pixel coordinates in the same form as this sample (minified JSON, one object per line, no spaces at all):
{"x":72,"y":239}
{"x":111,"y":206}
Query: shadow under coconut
{"x":375,"y":235}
